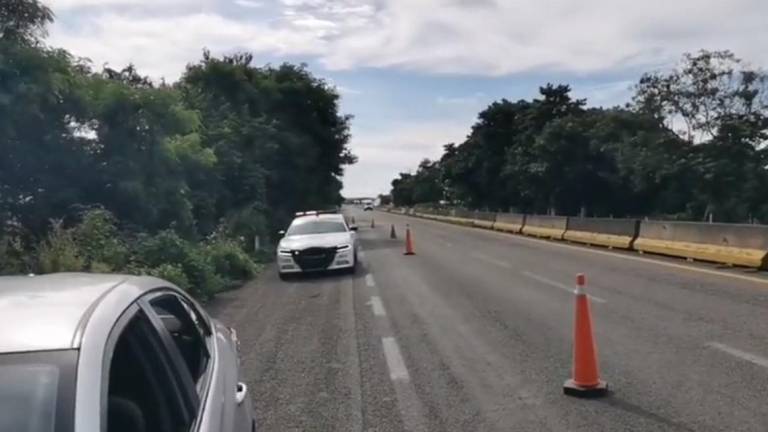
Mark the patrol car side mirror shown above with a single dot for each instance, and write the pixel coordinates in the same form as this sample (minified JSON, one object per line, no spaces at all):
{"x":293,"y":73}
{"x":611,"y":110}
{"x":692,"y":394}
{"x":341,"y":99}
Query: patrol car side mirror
{"x":281,"y":233}
{"x":353,"y":227}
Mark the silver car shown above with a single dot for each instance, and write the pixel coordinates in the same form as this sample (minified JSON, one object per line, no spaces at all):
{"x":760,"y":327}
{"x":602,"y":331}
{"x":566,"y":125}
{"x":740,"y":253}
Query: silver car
{"x":317,"y":241}
{"x":110,"y":353}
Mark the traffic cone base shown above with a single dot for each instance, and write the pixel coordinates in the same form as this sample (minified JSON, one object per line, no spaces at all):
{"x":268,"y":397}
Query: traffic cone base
{"x":570,"y":388}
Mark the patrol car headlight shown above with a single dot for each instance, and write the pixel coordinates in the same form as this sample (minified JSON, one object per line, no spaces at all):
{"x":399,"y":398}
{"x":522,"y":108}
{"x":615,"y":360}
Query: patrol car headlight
{"x":284,"y":252}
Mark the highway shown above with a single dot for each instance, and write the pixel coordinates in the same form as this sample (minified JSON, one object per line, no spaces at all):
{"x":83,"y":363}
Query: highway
{"x":474,"y":333}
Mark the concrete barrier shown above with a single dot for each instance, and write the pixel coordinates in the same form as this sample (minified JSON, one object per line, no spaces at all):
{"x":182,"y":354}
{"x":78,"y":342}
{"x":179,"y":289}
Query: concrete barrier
{"x":509,"y":222}
{"x":430,"y":213}
{"x":613,"y":233}
{"x":460,"y":217}
{"x":424,"y":212}
{"x":545,"y":226}
{"x":735,"y":244}
{"x":483,"y":219}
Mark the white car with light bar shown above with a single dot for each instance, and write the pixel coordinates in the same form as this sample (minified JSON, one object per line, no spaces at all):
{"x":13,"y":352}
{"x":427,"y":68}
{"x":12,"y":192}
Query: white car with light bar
{"x":317,"y":241}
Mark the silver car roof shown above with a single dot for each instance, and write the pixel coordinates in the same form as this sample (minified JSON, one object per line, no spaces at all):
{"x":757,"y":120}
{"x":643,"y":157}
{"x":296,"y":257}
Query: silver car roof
{"x":46,"y":312}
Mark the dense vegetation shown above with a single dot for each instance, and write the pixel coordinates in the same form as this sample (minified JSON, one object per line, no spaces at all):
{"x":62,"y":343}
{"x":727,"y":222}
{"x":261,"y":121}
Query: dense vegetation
{"x":691,"y":145}
{"x":106,"y":170}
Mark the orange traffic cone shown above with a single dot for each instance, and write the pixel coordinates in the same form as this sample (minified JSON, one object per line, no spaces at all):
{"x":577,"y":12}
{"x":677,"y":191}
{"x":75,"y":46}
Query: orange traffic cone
{"x":392,"y":233}
{"x":373,"y":223}
{"x":408,"y":241}
{"x":586,"y":380}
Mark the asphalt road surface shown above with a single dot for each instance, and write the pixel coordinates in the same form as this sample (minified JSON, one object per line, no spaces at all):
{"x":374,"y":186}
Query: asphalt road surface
{"x":474,"y":333}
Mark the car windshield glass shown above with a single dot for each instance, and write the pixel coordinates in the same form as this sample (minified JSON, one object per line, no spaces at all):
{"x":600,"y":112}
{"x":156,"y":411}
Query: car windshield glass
{"x":32,"y":386}
{"x":316,"y":227}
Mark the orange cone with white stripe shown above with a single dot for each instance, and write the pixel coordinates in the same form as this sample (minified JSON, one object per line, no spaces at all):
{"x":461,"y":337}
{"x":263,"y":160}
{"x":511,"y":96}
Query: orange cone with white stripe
{"x":586,"y":380}
{"x":408,"y":241}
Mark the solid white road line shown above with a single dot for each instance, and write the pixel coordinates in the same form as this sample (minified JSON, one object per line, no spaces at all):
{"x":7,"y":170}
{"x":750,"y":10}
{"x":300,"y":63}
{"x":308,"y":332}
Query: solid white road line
{"x":491,"y":260}
{"x":369,"y":280}
{"x":566,"y":288}
{"x":397,"y":369}
{"x":752,"y":358}
{"x":377,"y":306}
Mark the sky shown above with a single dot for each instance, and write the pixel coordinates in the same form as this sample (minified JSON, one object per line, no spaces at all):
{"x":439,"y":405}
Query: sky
{"x":415,"y":73}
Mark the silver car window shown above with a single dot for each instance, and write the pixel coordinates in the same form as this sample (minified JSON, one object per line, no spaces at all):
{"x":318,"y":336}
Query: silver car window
{"x":36,"y":391}
{"x":186,"y":332}
{"x":142,"y":390}
{"x":28,"y":397}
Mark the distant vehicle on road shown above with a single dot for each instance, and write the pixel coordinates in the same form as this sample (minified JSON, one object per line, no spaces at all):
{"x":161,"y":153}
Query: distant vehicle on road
{"x":94,"y":353}
{"x":368,"y":207}
{"x":317,"y":241}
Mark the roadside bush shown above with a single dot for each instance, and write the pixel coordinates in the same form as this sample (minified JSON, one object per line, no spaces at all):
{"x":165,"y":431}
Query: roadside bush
{"x":12,"y":256}
{"x":172,"y":273}
{"x":168,"y":248}
{"x":59,"y":252}
{"x":164,"y":247}
{"x":100,"y":242}
{"x":231,"y":261}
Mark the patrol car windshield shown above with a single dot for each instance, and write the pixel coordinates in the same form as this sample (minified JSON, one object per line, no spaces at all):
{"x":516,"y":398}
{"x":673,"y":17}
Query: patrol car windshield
{"x":316,"y":227}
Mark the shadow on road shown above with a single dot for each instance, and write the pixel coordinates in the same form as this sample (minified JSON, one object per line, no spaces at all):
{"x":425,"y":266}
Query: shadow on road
{"x":377,"y":244}
{"x":323,"y":276}
{"x":639,"y":411}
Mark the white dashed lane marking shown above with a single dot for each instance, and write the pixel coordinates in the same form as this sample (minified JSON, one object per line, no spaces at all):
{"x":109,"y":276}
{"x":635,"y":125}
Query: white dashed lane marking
{"x":563,"y":287}
{"x":369,"y":280}
{"x":377,"y":306}
{"x":752,"y":358}
{"x":491,"y":259}
{"x":397,"y":369}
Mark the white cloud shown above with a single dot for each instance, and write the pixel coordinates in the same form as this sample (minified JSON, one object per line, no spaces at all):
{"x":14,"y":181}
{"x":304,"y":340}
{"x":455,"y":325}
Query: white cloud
{"x":250,"y":4}
{"x":608,"y":94}
{"x":398,"y":148}
{"x":508,"y":37}
{"x":62,"y":5}
{"x":163,"y":46}
{"x":437,"y":36}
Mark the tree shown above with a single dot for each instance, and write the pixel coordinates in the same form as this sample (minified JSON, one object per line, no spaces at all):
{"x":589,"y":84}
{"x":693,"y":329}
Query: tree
{"x":497,"y":166}
{"x":723,"y":105}
{"x":402,"y":190}
{"x":45,"y":167}
{"x":385,"y":200}
{"x":706,"y":91}
{"x":277,"y":135}
{"x":23,"y":21}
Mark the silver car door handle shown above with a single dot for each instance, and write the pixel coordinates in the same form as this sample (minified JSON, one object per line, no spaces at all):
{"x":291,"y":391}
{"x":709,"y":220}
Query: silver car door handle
{"x":242,"y":391}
